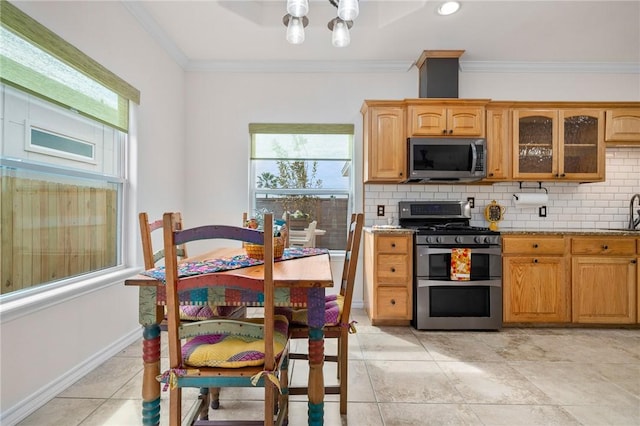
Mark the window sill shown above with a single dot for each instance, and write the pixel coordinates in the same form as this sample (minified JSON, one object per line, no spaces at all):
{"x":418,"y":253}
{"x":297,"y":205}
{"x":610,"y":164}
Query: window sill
{"x":16,"y":306}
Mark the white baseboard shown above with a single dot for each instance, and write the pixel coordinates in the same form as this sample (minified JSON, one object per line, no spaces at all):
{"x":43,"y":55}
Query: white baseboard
{"x":12,"y":415}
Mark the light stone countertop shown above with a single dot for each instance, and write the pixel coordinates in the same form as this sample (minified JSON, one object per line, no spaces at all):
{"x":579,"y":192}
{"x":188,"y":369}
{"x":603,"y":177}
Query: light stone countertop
{"x":571,"y":231}
{"x":520,"y":231}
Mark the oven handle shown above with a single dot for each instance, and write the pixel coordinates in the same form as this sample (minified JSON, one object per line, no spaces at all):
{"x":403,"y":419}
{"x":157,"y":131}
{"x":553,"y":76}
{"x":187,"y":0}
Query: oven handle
{"x":434,"y":283}
{"x":426,"y":250}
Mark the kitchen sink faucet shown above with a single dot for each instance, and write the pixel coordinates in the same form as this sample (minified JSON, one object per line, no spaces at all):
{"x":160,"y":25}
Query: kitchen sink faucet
{"x":633,"y":222}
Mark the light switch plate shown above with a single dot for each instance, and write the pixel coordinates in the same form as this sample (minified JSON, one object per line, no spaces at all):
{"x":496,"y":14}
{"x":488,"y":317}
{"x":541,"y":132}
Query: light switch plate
{"x":380,"y":210}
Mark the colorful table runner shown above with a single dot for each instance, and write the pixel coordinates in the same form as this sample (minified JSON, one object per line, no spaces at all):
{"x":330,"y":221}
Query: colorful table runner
{"x":228,"y":295}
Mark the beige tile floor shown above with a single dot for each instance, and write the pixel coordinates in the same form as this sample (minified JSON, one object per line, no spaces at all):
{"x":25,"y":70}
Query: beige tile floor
{"x":400,"y":376}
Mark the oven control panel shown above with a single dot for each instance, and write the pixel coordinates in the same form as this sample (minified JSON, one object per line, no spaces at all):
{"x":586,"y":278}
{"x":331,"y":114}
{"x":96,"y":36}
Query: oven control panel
{"x":459,"y":240}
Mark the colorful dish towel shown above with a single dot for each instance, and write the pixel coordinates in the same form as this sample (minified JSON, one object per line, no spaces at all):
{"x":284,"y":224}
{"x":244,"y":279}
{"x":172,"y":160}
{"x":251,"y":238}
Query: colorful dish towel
{"x":460,"y":264}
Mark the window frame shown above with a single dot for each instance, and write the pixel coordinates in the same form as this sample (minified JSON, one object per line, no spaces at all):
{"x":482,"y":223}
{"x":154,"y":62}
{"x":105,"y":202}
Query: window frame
{"x":302,"y":129}
{"x":13,"y":304}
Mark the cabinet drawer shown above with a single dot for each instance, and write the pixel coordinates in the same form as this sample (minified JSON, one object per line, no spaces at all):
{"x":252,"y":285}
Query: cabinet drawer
{"x":608,"y":246}
{"x":393,"y":244}
{"x":393,"y":302}
{"x":392,"y":269}
{"x":533,"y":245}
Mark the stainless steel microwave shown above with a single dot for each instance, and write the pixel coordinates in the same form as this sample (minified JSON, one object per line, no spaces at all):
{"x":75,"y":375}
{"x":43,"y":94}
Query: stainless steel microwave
{"x":435,"y":160}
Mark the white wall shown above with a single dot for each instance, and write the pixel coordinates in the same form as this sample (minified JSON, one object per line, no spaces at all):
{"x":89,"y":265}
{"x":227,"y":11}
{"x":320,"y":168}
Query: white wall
{"x":46,"y":347}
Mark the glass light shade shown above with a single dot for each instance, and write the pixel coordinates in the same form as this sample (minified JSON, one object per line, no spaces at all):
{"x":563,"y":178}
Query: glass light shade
{"x":340,"y":36}
{"x":295,"y":31}
{"x":348,"y":10}
{"x":298,"y":8}
{"x":448,"y":8}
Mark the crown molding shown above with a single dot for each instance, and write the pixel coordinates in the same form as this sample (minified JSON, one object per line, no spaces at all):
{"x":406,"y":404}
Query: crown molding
{"x":551,"y":67}
{"x":150,"y":25}
{"x":300,"y":66}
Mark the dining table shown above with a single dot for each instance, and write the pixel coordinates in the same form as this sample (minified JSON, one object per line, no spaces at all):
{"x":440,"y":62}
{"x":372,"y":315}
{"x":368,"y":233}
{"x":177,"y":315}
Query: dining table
{"x":300,"y":279}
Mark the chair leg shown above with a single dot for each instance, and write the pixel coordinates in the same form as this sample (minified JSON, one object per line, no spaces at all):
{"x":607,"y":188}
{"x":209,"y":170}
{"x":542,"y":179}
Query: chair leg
{"x":204,"y":406}
{"x":283,"y":398}
{"x":343,"y":367}
{"x":175,"y":406}
{"x":214,"y":397}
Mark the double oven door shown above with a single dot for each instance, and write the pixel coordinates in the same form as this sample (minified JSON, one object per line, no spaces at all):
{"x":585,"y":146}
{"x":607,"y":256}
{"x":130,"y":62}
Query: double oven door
{"x":443,"y":303}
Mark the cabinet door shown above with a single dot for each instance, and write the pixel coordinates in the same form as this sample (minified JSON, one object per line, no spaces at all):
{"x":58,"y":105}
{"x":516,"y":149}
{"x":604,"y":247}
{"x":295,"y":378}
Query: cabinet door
{"x":535,"y":144}
{"x":604,"y":290}
{"x":425,"y":120}
{"x":465,"y":121}
{"x":581,"y":145}
{"x":386,"y":145}
{"x":622,"y":125}
{"x":535,"y":289}
{"x":498,"y":145}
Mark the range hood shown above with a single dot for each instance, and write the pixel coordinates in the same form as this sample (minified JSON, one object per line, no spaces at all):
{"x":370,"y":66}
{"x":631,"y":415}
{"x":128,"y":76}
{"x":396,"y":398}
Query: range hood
{"x":438,"y":73}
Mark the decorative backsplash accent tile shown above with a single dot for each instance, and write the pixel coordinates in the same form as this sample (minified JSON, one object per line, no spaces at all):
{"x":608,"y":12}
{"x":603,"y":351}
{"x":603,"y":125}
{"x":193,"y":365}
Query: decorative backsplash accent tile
{"x":571,"y":204}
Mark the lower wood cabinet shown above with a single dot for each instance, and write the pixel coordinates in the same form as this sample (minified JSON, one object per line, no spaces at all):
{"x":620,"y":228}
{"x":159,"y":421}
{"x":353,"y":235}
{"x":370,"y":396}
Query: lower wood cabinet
{"x":535,"y":287}
{"x":388,"y":277}
{"x":604,"y":280}
{"x":577,"y":279}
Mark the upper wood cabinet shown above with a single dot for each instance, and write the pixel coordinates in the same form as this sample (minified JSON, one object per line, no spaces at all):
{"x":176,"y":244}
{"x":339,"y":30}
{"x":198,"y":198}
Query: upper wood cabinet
{"x":558,"y":144}
{"x":622,"y":126}
{"x":385,"y":142}
{"x":498,"y":144}
{"x":442,"y":118}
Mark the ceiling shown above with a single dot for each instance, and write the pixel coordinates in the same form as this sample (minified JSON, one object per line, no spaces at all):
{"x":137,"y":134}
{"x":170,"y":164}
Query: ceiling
{"x":244,"y":35}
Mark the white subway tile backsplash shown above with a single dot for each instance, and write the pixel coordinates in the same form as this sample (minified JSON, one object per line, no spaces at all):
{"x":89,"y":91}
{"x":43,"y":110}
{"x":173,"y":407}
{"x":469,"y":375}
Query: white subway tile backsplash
{"x":571,"y":205}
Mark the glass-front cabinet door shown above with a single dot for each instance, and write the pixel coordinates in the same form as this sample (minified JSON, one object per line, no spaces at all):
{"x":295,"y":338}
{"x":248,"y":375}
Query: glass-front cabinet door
{"x":582,"y":147}
{"x":535,"y":137}
{"x":558,"y":144}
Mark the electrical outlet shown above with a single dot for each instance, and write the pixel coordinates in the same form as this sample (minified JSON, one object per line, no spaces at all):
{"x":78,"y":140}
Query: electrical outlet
{"x":471,"y":201}
{"x":542,"y":211}
{"x":380,"y":210}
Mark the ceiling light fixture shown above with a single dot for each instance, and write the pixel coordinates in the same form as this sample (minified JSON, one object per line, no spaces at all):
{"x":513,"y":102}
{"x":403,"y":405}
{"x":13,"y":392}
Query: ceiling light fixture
{"x":296,"y":20}
{"x":448,"y":8}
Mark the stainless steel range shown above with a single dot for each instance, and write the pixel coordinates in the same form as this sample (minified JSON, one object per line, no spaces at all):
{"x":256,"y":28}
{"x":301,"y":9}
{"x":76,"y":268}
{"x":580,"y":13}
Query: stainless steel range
{"x":458,"y":268}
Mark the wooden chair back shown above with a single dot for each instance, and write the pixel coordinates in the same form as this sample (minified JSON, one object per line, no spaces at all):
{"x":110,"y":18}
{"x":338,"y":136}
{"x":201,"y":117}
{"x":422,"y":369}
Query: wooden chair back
{"x":349,"y":268}
{"x":147,"y":227}
{"x":174,"y":238}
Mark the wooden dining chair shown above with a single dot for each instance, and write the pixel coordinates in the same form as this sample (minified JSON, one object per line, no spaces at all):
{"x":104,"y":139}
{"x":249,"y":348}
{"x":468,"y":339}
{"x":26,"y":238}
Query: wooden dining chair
{"x":337,"y":313}
{"x":187,"y":313}
{"x":224,"y":352}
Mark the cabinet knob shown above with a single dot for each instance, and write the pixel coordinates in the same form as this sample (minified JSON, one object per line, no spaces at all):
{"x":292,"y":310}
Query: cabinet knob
{"x":393,"y":269}
{"x":535,"y":246}
{"x":605,"y":247}
{"x":535,"y":260}
{"x":633,"y":262}
{"x":393,"y":301}
{"x":563,"y":175}
{"x":490,"y":174}
{"x":393,"y":245}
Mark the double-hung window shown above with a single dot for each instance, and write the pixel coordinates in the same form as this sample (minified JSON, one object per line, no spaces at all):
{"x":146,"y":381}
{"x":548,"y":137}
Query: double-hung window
{"x":63,"y":149}
{"x":304,"y":170}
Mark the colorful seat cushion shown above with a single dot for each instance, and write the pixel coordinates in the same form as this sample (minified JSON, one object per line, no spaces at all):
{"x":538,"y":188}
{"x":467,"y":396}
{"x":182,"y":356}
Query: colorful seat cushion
{"x":234,"y":344}
{"x":333,"y":306}
{"x":197,"y":312}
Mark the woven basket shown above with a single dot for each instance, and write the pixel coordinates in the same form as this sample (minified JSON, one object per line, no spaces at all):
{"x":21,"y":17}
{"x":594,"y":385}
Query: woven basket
{"x":256,"y":251}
